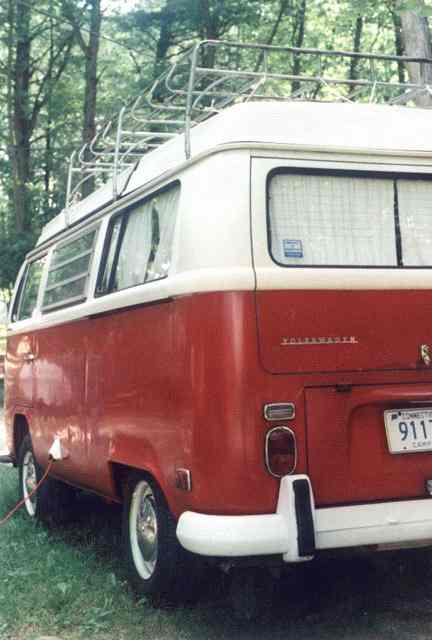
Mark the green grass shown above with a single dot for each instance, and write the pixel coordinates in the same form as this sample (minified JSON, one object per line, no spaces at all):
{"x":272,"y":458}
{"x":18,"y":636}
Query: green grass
{"x":70,"y":582}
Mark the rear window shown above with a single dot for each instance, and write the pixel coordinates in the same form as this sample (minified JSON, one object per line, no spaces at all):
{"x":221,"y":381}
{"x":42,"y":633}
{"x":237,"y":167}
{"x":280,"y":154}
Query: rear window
{"x":347,"y":220}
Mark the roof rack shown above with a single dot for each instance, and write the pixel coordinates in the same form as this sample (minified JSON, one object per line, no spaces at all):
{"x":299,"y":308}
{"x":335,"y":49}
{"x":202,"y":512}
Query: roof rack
{"x":215,"y":74}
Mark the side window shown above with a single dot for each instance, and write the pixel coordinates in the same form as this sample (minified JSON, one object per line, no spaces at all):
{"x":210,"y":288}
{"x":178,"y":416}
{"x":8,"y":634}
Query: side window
{"x":28,"y":295}
{"x":113,"y":235}
{"x":139,"y":243}
{"x":69,"y":271}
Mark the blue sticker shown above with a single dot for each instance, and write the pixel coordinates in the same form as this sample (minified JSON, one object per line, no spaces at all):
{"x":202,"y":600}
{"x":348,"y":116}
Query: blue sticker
{"x":292,"y":248}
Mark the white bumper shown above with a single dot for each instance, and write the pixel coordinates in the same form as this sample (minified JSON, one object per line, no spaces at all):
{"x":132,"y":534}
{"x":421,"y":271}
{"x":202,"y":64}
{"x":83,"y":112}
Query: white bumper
{"x":389,"y":523}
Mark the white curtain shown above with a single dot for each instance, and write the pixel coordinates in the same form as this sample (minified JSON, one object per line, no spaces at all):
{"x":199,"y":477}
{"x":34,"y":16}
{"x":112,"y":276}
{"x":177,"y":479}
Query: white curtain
{"x":164,"y":207}
{"x":415,"y":218}
{"x":145,"y":253}
{"x":135,"y":249}
{"x":332,"y":220}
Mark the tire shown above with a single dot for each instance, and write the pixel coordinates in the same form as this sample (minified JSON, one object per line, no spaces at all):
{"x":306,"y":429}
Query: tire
{"x":53,"y":499}
{"x":158,"y":567}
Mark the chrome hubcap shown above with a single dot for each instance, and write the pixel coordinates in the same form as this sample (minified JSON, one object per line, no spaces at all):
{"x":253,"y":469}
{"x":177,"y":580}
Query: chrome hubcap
{"x":29,"y":481}
{"x":143,"y":529}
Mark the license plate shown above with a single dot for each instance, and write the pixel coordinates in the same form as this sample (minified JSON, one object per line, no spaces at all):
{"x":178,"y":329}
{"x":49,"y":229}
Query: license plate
{"x":408,"y":430}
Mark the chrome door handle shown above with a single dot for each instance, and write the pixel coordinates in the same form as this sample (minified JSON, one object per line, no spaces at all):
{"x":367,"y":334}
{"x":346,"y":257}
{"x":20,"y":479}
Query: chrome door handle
{"x":29,"y":357}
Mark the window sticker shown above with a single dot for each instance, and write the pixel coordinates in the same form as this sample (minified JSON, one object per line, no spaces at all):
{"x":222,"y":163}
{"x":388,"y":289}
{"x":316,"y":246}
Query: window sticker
{"x":292,"y":248}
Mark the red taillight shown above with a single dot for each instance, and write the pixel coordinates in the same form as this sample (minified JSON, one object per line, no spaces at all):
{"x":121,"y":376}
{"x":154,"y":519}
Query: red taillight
{"x":280,"y":451}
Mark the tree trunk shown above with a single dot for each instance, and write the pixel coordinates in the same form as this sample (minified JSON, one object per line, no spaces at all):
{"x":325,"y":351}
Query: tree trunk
{"x":283,"y":6}
{"x":356,"y":47}
{"x":398,"y":44}
{"x":209,"y":28}
{"x":9,"y":93}
{"x":91,"y":81}
{"x":300,"y":29}
{"x":48,"y":140}
{"x":165,"y":40}
{"x":20,"y":145}
{"x":354,"y":62}
{"x":417,"y":43}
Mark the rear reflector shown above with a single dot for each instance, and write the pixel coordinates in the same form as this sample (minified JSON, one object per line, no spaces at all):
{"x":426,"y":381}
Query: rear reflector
{"x":280,"y":451}
{"x":183,"y":479}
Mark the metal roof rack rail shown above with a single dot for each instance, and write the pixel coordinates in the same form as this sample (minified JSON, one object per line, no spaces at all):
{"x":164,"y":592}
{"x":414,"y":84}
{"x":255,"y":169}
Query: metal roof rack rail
{"x":215,"y":74}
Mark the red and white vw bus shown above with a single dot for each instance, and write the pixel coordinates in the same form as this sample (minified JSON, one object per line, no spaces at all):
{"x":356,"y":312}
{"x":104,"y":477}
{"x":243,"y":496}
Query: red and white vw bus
{"x":238,"y":348}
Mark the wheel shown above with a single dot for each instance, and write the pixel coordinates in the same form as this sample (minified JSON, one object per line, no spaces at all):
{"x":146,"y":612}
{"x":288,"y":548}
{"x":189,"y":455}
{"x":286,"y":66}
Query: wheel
{"x":53,"y":499}
{"x":159,"y":568}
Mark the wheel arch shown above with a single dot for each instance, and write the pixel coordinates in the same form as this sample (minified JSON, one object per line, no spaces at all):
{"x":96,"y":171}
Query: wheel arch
{"x":120,"y":471}
{"x":137,"y":456}
{"x":20,"y":429}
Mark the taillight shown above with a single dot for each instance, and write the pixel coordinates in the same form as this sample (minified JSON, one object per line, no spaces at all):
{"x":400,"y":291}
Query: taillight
{"x":280,"y":451}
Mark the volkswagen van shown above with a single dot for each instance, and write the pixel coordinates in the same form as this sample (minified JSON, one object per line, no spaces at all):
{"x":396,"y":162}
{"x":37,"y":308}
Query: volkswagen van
{"x":237,"y":346}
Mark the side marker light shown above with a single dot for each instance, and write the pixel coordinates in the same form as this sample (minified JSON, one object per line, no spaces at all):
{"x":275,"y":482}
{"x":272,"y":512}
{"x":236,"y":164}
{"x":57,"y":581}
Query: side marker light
{"x":183,"y":479}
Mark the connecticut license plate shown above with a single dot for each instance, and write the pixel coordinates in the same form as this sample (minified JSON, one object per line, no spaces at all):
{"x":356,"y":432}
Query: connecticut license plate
{"x":408,"y":430}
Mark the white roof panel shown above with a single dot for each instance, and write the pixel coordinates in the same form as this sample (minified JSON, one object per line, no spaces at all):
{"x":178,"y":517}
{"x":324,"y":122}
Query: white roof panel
{"x":312,"y":125}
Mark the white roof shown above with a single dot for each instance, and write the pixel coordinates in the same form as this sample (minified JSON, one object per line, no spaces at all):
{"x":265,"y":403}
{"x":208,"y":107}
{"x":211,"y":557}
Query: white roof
{"x":312,"y":125}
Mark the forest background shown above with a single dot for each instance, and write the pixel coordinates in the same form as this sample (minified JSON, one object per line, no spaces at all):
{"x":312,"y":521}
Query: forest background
{"x":65,"y":65}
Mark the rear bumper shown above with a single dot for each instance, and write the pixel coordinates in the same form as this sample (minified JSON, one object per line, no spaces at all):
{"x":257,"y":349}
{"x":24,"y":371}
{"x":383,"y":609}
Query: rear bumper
{"x":298,"y":529}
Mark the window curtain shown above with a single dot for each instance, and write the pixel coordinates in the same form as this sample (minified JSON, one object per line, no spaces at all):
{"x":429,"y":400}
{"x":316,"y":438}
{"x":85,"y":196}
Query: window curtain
{"x":415,"y":219}
{"x":145,"y":254}
{"x":332,"y":220}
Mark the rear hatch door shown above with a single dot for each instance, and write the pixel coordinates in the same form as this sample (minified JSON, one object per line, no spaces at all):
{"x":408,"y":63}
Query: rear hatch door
{"x":343,"y":271}
{"x":350,"y":446}
{"x":343,"y":267}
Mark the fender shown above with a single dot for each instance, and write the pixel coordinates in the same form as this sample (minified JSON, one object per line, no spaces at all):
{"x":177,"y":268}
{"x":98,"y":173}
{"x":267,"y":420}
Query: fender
{"x":139,"y":453}
{"x":13,"y":421}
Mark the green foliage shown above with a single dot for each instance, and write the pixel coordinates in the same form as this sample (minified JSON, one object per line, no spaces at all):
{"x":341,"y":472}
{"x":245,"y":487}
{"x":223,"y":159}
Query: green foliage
{"x":139,"y":40}
{"x":415,"y":5}
{"x":13,"y":248}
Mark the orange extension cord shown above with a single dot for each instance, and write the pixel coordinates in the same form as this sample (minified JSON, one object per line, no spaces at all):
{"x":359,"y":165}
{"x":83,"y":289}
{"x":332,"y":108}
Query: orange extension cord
{"x":32,"y":492}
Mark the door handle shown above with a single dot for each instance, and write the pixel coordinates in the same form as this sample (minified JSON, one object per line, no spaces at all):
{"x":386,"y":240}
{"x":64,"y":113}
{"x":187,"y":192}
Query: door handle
{"x":29,"y":357}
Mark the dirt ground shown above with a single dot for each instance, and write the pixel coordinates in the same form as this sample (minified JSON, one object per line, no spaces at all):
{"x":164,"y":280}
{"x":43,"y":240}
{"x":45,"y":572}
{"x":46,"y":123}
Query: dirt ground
{"x":385,"y":595}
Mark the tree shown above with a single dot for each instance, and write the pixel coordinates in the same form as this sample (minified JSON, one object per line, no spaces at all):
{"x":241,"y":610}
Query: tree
{"x":90,"y":49}
{"x":69,"y":61}
{"x":30,"y":81}
{"x":416,"y":39}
